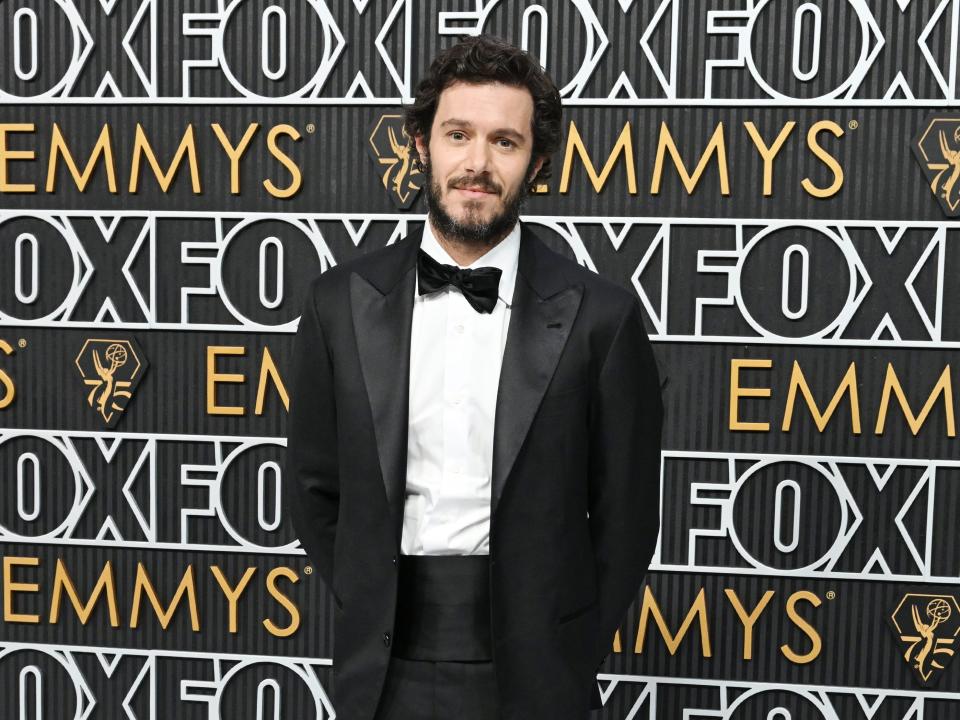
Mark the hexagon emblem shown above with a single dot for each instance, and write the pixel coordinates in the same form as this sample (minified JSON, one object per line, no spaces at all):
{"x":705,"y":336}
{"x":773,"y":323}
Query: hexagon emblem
{"x":937,"y":148}
{"x":392,"y":152}
{"x":111,"y":371}
{"x":927,"y":626}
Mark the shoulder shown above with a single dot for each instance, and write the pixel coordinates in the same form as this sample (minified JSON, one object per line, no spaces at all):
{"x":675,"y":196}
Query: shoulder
{"x":599,"y":293}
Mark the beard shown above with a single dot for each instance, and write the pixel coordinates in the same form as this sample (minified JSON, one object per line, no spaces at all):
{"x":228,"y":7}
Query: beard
{"x":473,"y":230}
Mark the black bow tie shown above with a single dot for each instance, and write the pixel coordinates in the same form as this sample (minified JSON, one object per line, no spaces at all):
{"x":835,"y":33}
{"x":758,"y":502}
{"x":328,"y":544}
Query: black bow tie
{"x":479,"y":285}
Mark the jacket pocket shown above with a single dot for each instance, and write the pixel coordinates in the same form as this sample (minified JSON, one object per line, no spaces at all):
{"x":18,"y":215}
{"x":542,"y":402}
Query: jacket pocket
{"x":574,"y":614}
{"x":570,"y":401}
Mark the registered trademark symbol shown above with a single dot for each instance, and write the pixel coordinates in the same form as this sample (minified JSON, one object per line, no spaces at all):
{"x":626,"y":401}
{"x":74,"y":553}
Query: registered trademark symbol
{"x":308,"y":570}
{"x":311,"y":128}
{"x":22,"y":343}
{"x":831,"y":595}
{"x":853,"y":124}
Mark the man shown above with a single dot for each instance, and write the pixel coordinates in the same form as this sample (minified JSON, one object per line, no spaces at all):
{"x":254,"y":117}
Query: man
{"x":474,"y":439}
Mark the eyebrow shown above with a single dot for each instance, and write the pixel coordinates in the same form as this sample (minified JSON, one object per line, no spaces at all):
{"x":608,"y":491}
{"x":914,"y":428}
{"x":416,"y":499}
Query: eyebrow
{"x":457,"y":122}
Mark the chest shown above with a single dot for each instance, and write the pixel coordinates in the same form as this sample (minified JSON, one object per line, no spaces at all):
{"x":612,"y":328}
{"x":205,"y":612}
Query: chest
{"x":456,"y":355}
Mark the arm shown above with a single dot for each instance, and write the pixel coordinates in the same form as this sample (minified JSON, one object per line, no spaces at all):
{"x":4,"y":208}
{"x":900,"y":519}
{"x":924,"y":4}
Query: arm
{"x":625,"y":423}
{"x":311,"y":480}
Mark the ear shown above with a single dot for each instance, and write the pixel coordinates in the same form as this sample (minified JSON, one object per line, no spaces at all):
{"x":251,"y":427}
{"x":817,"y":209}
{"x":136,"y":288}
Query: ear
{"x":421,"y":144}
{"x":538,"y":163}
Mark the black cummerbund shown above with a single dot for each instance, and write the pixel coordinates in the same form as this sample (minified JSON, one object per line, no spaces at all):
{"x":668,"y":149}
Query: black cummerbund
{"x":443,"y":608}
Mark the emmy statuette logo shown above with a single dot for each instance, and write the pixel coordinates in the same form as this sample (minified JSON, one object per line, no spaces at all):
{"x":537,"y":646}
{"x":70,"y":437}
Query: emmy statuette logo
{"x":927,"y":626}
{"x":938,"y":150}
{"x":111,"y":370}
{"x":392,"y":152}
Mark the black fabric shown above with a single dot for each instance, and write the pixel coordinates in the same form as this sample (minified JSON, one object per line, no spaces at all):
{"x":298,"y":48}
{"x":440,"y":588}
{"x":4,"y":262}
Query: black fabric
{"x":443,"y":608}
{"x":425,"y":690}
{"x":478,"y":285}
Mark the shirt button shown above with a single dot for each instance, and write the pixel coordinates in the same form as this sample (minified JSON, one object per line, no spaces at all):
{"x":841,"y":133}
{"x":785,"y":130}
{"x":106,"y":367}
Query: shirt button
{"x":459,"y":329}
{"x":456,"y":469}
{"x":394,"y":559}
{"x":456,"y":400}
{"x":386,"y":639}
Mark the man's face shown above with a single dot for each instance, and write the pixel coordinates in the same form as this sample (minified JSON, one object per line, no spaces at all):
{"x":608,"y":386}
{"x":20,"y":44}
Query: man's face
{"x":478,"y":161}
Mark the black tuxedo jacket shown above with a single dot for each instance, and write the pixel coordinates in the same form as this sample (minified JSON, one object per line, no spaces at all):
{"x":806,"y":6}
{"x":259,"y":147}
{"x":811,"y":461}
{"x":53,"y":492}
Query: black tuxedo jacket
{"x":576,"y":468}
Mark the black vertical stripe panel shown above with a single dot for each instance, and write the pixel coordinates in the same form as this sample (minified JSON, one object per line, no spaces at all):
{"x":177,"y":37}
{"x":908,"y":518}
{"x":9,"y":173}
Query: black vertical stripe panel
{"x":883,"y":184}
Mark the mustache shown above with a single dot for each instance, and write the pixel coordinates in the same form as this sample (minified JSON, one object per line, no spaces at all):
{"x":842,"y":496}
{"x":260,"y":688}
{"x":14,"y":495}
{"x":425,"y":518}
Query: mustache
{"x":474,"y":183}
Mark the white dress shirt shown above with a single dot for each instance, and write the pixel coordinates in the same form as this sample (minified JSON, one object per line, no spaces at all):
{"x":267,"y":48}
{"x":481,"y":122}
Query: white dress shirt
{"x":455,"y":358}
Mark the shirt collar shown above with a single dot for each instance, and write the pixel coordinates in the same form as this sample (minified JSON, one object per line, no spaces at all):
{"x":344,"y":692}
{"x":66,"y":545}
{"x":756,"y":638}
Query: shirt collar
{"x":504,"y":255}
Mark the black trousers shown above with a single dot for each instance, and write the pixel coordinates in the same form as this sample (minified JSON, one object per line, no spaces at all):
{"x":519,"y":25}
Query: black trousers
{"x":438,"y":690}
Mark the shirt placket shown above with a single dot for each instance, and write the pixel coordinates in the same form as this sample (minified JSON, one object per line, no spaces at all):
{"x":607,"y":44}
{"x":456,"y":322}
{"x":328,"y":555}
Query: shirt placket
{"x":456,"y":391}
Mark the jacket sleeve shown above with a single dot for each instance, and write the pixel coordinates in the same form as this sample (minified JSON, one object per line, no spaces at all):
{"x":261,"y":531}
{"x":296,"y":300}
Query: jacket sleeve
{"x":626,"y":415}
{"x":311,"y":480}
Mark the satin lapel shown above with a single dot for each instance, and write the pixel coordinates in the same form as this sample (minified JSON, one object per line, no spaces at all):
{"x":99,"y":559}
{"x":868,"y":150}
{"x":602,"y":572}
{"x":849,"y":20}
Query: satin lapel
{"x":382,"y":312}
{"x":539,"y":328}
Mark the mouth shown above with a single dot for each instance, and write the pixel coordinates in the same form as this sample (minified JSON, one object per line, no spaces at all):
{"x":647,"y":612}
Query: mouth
{"x":473,"y":192}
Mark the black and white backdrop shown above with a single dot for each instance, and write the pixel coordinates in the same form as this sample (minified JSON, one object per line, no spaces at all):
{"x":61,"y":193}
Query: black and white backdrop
{"x":776,"y":180}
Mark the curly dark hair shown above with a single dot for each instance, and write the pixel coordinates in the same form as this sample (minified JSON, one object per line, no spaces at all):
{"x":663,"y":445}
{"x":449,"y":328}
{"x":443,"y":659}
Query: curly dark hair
{"x":483,"y":59}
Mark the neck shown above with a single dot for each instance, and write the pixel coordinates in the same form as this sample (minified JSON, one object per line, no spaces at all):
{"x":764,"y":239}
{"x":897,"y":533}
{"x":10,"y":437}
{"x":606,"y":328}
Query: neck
{"x":464,"y":253}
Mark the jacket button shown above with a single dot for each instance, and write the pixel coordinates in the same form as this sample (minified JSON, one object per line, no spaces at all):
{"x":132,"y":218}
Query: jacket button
{"x":394,"y":559}
{"x":386,"y":639}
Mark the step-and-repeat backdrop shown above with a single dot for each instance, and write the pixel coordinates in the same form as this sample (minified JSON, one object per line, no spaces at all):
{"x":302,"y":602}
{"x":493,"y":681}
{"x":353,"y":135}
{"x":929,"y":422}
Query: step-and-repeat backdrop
{"x":776,"y":180}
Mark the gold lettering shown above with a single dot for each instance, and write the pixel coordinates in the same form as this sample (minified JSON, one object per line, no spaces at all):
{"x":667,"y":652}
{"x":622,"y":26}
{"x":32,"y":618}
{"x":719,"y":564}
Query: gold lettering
{"x":697,"y":611}
{"x":58,"y":146}
{"x":268,"y":369}
{"x":624,"y":146}
{"x":748,"y":620}
{"x":666,"y":144}
{"x":848,"y":384}
{"x":232,"y":594}
{"x":63,"y":583}
{"x":141,"y":148}
{"x":737,"y":392}
{"x":287,"y":603}
{"x":186,"y":587}
{"x":10,"y":587}
{"x":768,"y":154}
{"x":10,"y":390}
{"x":235,"y":153}
{"x":6,"y":155}
{"x":285,"y":159}
{"x":214,"y":377}
{"x":804,"y":626}
{"x":826,"y":158}
{"x":891,"y":383}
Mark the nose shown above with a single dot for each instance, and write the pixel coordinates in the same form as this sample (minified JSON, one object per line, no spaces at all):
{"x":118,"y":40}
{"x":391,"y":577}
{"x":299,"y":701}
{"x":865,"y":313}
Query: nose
{"x":478,"y":156}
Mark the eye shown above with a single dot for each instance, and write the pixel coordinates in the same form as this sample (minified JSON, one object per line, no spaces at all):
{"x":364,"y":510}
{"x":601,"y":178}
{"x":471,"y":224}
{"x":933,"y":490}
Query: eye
{"x":457,"y":135}
{"x":506,"y":143}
